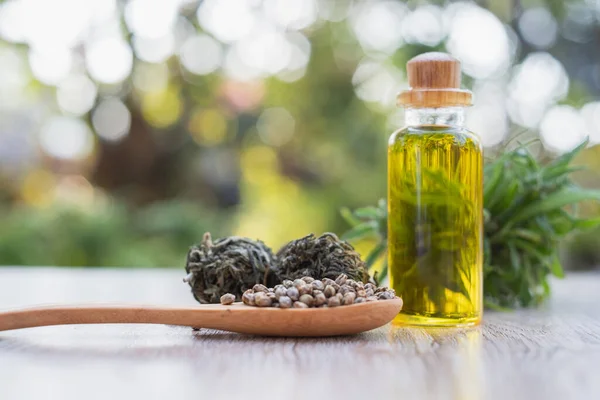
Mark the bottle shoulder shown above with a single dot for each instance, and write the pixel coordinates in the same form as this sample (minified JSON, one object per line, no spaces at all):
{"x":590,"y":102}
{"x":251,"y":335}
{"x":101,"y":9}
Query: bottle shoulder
{"x":425,"y":132}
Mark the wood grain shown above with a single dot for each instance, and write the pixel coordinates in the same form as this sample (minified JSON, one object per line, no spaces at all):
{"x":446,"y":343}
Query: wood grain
{"x":434,"y":80}
{"x":550,"y":353}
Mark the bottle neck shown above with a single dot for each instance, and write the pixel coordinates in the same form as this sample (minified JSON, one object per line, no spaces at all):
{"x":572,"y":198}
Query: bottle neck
{"x":446,"y":116}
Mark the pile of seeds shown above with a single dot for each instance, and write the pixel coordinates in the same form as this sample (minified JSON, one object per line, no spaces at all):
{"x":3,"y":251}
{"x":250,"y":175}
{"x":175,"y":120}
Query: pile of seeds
{"x":309,"y":292}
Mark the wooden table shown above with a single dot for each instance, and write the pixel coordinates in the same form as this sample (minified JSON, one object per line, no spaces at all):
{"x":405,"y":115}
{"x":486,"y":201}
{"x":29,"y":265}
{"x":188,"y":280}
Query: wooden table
{"x":549,"y":353}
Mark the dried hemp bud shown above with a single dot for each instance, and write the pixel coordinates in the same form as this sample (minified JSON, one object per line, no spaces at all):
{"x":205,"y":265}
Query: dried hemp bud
{"x":320,"y":257}
{"x":228,"y":265}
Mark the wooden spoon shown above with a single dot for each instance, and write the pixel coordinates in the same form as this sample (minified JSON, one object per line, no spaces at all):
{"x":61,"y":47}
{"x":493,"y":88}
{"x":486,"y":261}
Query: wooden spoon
{"x":344,"y":320}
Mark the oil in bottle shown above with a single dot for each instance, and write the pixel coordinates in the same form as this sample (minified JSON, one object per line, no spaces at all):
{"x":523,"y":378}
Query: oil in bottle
{"x":435,"y":200}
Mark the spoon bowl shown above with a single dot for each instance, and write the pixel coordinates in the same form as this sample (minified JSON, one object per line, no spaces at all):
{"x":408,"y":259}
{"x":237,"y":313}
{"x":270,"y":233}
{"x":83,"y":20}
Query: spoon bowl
{"x":344,"y":320}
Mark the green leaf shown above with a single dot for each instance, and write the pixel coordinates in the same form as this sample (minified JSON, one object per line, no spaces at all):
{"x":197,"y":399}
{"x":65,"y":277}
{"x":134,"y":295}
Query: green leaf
{"x":560,"y":165}
{"x":361,"y":231}
{"x":545,"y":227}
{"x":492,"y":182}
{"x":431,"y":199}
{"x":529,"y":235}
{"x":525,"y":288}
{"x":349,"y":217}
{"x":369,"y":212}
{"x":586,"y":224}
{"x":487,"y":251}
{"x":556,"y":268}
{"x":514,"y":255}
{"x":509,"y":196}
{"x":532,"y":250}
{"x":556,"y":173}
{"x":555,"y":201}
{"x":495,"y":197}
{"x":442,"y":180}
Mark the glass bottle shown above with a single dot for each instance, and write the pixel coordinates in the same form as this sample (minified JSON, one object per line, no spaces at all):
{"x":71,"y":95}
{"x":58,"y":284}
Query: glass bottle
{"x":435,"y":200}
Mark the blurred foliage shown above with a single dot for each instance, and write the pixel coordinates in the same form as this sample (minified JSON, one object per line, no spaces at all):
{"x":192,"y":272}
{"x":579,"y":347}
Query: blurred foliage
{"x":272,"y":156}
{"x":158,"y":235}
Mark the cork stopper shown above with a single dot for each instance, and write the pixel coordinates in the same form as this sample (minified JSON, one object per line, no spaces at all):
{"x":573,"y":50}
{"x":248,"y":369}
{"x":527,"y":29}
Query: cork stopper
{"x":434,"y":80}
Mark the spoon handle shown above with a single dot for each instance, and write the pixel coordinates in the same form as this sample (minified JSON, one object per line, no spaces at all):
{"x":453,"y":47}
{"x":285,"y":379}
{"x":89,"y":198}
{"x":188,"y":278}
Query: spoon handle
{"x":266,"y":321}
{"x":207,"y":316}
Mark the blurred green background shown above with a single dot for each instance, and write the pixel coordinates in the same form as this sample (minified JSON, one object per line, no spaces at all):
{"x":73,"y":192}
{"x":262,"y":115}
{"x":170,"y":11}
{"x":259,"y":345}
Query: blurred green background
{"x":129,"y":128}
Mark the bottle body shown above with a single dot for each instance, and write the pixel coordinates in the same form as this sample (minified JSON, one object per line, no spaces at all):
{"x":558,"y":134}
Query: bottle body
{"x":435,"y":220}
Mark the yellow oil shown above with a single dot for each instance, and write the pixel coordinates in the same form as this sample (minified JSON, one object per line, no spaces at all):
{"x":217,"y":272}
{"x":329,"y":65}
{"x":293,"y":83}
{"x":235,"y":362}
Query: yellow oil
{"x":435,"y":223}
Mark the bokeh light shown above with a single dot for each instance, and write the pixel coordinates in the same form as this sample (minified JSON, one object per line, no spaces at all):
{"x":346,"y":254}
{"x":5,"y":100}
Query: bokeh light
{"x":562,"y":129}
{"x":591,"y":116}
{"x":537,"y":83}
{"x":538,"y":27}
{"x":109,"y":60}
{"x":334,"y":11}
{"x":13,"y":78}
{"x":377,"y":25}
{"x":299,"y":57}
{"x":230,"y":20}
{"x":488,"y":117}
{"x":11,"y":18}
{"x":76,"y":191}
{"x":378,"y":83}
{"x":579,"y":23}
{"x":151,"y":22}
{"x":201,"y":54}
{"x":275,"y":126}
{"x":208,"y":127}
{"x":37,"y":188}
{"x":291,"y":14}
{"x":478,"y":39}
{"x":154,"y":50}
{"x":50,"y":65}
{"x":243,"y":96}
{"x":150,"y":77}
{"x":66,"y":138}
{"x":236,"y":68}
{"x":76,"y":94}
{"x":424,"y":25}
{"x":111,"y":120}
{"x":60,"y":23}
{"x":162,"y":109}
{"x":266,"y":50}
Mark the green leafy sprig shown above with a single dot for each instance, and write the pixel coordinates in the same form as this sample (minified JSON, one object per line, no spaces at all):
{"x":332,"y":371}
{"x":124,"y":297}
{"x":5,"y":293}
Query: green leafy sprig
{"x":528,"y":207}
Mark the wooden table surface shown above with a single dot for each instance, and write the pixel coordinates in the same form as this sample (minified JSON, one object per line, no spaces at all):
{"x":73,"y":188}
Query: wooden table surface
{"x":549,"y":353}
